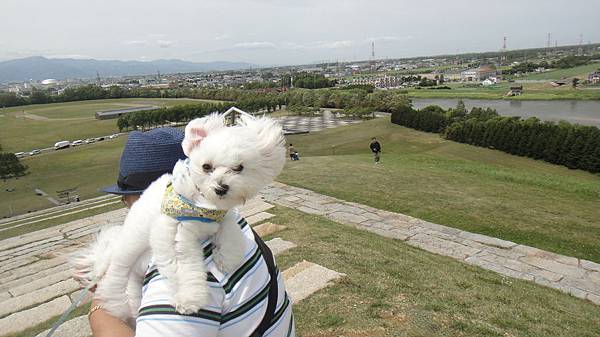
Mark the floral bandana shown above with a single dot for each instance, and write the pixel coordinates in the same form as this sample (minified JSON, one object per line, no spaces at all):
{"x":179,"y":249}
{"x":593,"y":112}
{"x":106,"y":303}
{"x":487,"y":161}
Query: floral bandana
{"x":182,"y":209}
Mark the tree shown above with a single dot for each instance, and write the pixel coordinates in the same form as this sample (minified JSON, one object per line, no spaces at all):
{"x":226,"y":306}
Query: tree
{"x":10,"y":166}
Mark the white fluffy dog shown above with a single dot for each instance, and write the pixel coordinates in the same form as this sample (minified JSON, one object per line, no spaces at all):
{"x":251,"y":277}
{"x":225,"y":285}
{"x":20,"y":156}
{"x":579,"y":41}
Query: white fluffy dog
{"x":225,"y":167}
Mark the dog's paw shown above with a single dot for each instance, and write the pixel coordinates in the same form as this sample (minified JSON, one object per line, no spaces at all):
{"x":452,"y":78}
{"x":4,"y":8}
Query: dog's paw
{"x":226,"y":263}
{"x":186,"y":303}
{"x":187,"y":308}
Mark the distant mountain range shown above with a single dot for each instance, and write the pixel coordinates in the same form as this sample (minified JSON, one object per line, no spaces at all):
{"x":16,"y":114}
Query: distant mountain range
{"x":40,"y":68}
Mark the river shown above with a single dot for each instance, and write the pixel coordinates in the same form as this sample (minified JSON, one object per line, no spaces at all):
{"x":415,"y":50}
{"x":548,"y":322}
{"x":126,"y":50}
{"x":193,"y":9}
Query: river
{"x":574,"y":111}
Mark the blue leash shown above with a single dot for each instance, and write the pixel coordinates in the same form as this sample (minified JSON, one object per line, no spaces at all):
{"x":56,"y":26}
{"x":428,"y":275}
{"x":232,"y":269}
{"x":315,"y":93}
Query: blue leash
{"x":74,"y":305}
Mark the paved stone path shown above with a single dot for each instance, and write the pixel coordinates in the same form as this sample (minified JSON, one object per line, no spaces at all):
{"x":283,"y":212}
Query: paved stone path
{"x":580,"y":278}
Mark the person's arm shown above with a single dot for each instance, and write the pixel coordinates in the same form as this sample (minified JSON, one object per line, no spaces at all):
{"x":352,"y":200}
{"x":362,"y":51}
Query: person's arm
{"x":104,"y":324}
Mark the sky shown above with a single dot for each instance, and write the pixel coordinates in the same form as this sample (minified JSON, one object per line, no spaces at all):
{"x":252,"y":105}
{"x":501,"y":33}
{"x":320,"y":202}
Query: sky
{"x":284,"y":32}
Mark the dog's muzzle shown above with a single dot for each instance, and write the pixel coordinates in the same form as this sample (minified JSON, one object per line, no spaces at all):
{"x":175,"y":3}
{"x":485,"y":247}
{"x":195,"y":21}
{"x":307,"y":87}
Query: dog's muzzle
{"x":221,"y":190}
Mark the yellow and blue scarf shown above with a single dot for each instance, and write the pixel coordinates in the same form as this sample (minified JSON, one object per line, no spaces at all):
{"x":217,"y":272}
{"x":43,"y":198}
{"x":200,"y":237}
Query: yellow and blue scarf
{"x":183,"y":209}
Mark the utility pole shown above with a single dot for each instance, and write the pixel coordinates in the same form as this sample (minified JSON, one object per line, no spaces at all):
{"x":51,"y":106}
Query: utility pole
{"x":549,"y":40}
{"x":503,"y":57}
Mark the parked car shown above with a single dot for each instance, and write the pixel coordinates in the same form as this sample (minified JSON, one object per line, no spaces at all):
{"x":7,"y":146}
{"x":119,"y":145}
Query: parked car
{"x":113,"y":136}
{"x":77,"y":142}
{"x":62,"y":145}
{"x":99,"y":139}
{"x":20,"y":154}
{"x":34,"y":152}
{"x":90,"y":140}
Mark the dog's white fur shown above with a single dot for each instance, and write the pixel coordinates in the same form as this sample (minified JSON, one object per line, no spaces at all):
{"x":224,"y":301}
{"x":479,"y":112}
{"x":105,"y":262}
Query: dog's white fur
{"x":119,"y":256}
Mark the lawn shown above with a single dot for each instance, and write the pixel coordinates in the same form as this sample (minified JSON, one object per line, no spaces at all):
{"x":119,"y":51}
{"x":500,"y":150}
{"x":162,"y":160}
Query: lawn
{"x":88,"y":168}
{"x":581,"y":72}
{"x":531,"y":91}
{"x":462,"y":186}
{"x":40,"y":126}
{"x":392,"y":289}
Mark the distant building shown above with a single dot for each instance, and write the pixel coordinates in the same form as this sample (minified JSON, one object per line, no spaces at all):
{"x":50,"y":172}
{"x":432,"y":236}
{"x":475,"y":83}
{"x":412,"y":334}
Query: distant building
{"x":49,"y":81}
{"x":594,"y":77}
{"x":515,"y":91}
{"x":478,"y":74}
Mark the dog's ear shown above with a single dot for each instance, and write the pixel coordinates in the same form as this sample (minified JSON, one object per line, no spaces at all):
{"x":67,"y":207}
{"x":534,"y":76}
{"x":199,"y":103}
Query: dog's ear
{"x":270,"y":141}
{"x":198,"y":129}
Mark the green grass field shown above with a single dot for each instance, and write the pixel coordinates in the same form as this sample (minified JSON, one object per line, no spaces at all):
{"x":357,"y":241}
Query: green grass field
{"x":531,"y":91}
{"x":581,"y":72}
{"x":392,"y":289}
{"x":40,"y":126}
{"x":476,"y":189}
{"x":88,"y":168}
{"x":462,"y":186}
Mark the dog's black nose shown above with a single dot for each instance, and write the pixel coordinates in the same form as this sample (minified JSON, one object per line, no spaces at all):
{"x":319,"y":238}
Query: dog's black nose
{"x":222,"y":189}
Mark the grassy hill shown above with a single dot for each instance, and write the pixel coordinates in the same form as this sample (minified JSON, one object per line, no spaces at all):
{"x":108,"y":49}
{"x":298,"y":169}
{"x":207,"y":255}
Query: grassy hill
{"x":531,"y":91}
{"x":88,"y":168}
{"x":581,"y":72}
{"x":24,"y":128}
{"x":471,"y":188}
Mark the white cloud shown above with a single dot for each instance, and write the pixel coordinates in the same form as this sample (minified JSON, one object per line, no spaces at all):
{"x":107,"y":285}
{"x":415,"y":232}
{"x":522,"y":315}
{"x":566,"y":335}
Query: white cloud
{"x":388,"y":38}
{"x":69,"y":56}
{"x":255,"y":45}
{"x":134,"y":42}
{"x":221,"y":37}
{"x":318,"y":45}
{"x":164,"y":43}
{"x":335,"y":44}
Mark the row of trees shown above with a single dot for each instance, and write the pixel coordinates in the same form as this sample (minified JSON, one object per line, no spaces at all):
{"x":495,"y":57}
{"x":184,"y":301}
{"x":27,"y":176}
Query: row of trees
{"x":562,"y":63}
{"x":572,"y":145}
{"x":82,"y":93}
{"x":175,"y":114}
{"x":312,"y":81}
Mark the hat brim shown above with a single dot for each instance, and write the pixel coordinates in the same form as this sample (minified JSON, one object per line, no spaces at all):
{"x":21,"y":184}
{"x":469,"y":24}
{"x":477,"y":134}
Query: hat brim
{"x":115,"y":189}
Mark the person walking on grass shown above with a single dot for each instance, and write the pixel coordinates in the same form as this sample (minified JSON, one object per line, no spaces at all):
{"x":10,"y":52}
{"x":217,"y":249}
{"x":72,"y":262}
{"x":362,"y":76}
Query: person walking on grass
{"x":293,"y":153}
{"x":376,"y":149}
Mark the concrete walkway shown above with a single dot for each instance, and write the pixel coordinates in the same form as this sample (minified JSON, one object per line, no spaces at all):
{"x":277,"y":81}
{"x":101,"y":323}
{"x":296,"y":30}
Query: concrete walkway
{"x":580,"y":278}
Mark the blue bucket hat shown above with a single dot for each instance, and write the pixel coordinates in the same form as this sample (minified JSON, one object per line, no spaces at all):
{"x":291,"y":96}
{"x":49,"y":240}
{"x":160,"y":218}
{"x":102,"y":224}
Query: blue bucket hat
{"x":146,"y":157}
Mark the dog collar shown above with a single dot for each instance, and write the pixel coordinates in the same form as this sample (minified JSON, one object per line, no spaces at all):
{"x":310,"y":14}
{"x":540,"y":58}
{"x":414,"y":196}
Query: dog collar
{"x":182,"y":209}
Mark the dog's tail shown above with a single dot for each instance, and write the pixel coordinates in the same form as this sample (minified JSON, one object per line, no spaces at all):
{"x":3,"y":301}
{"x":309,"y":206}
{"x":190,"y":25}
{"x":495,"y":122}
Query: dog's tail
{"x":91,"y":262}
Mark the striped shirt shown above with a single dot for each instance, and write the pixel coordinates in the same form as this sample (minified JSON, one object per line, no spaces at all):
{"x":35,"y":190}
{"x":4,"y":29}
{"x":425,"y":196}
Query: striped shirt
{"x":236,"y":307}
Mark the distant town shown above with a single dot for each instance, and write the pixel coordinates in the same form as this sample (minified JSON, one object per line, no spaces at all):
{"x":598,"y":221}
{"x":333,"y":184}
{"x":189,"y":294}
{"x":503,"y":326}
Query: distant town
{"x":483,"y":69}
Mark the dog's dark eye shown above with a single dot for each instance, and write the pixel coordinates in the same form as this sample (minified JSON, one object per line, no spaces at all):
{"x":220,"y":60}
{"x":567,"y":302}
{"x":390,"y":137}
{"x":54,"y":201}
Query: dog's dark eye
{"x":207,"y":167}
{"x":238,"y":168}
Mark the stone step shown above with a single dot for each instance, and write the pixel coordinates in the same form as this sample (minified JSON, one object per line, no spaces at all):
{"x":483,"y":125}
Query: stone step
{"x":268,"y":228}
{"x":15,"y":304}
{"x":306,"y":278}
{"x":76,"y":327}
{"x":278,"y":246}
{"x":40,"y":283}
{"x":29,"y":269}
{"x":29,"y":318}
{"x":254,"y":206}
{"x":256,"y":218}
{"x":18,"y":281}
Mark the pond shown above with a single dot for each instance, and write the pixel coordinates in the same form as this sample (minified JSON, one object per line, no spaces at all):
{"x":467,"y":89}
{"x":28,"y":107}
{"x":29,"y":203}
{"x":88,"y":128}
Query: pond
{"x":573,"y":111}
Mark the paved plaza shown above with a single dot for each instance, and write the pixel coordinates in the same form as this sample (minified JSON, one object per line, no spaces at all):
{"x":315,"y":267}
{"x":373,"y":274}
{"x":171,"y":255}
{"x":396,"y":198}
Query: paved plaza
{"x":297,"y":124}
